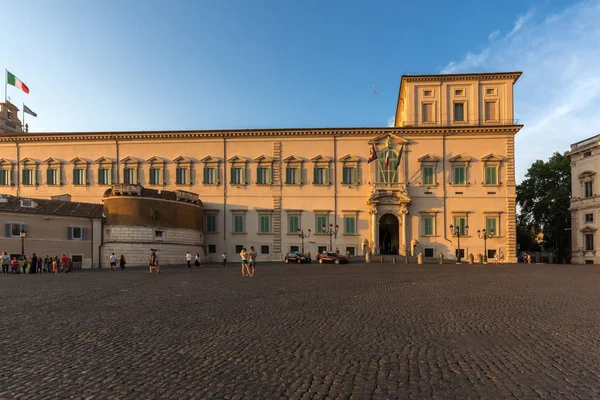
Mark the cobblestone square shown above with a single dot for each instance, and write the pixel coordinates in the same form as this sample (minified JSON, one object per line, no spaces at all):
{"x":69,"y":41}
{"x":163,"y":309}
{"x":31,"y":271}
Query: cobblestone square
{"x":357,"y":331}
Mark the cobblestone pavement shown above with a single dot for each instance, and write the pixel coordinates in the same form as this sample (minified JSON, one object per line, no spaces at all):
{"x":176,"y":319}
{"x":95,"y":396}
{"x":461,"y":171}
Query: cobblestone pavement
{"x":304,"y":331}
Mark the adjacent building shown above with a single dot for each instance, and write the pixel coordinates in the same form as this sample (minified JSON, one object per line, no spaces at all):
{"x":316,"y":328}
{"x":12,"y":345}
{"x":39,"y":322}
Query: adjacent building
{"x":449,"y":160}
{"x":52,"y":227}
{"x":585,"y":203}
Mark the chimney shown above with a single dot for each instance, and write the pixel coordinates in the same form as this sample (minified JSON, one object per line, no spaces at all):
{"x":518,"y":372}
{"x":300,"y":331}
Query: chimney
{"x":62,"y":197}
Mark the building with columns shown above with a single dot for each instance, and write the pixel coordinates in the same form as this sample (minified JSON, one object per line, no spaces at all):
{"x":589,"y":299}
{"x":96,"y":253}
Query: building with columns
{"x":449,"y":160}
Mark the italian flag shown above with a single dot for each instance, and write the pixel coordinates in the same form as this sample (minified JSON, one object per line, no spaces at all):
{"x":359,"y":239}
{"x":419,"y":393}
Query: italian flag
{"x":16,"y":82}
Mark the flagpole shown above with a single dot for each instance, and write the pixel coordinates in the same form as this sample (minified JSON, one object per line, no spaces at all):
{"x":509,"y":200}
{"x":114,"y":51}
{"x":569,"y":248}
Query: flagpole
{"x":23,"y":122}
{"x":5,"y":83}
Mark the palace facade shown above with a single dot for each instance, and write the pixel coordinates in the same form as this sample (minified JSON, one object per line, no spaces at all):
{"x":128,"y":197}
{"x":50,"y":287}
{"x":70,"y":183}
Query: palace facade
{"x":449,"y":160}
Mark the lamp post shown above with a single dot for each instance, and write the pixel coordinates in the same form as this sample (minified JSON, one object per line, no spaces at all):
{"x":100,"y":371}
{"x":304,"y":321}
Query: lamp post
{"x":455,"y":230}
{"x":22,"y":234}
{"x":331,"y":232}
{"x":303,"y":236}
{"x":483,"y":234}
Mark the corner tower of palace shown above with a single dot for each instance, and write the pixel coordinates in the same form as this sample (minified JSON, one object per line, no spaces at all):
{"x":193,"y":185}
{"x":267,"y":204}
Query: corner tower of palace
{"x":449,"y":160}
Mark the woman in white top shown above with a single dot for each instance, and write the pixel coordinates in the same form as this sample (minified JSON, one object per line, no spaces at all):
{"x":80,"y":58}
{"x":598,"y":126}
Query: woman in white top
{"x":244,"y":257}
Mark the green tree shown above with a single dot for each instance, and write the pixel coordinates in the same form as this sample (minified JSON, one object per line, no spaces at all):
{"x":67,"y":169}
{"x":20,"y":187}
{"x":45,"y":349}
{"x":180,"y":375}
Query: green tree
{"x":543,"y":200}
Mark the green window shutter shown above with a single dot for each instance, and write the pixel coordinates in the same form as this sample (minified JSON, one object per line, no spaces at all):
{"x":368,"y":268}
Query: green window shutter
{"x":244,"y":175}
{"x":205,"y":174}
{"x":231,"y":176}
{"x":70,"y":233}
{"x":84,"y":177}
{"x":8,"y":230}
{"x":270,"y":175}
{"x":327,"y":182}
{"x":316,"y":175}
{"x":299,"y":175}
{"x":135,"y":176}
{"x":49,"y":177}
{"x":355,"y":175}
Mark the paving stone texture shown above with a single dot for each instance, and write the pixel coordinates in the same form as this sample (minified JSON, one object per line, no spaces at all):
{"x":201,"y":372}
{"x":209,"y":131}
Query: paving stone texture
{"x":378,"y":331}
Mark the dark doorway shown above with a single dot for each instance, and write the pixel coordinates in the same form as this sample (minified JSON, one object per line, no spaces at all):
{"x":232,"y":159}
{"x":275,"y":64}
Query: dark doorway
{"x":388,"y":234}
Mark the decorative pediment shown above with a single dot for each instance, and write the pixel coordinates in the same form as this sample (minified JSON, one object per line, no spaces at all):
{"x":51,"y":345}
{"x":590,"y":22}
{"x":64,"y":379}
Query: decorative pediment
{"x":28,"y":161}
{"x":237,"y":160}
{"x":210,"y":160}
{"x":428,"y":158}
{"x":78,"y":161}
{"x":348,"y":158}
{"x":587,"y":229}
{"x":382,"y":196}
{"x":320,"y":159}
{"x":155,"y":160}
{"x":586,"y":174}
{"x":130,"y":160}
{"x":182,"y":160}
{"x":5,"y":163}
{"x":104,"y":160}
{"x":52,"y":161}
{"x":460,"y":158}
{"x":292,"y":159}
{"x":395,"y":140}
{"x":492,"y":158}
{"x":264,"y":159}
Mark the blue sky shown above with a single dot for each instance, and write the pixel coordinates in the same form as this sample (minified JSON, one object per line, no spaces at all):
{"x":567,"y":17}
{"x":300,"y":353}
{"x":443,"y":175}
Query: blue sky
{"x":153,"y":65}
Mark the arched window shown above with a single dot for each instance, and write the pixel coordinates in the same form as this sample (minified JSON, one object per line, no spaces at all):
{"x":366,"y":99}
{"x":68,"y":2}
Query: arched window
{"x":390,"y":173}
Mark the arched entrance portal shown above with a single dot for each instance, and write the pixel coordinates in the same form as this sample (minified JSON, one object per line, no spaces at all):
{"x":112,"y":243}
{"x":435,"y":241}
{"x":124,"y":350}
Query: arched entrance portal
{"x":389,"y":237}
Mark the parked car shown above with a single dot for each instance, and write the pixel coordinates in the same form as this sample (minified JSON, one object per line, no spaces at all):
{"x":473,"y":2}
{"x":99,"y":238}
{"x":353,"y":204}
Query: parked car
{"x":297,"y":257}
{"x":335,"y":258}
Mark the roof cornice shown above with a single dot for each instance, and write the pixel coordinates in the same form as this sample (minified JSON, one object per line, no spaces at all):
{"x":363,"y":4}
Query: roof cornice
{"x":183,"y":135}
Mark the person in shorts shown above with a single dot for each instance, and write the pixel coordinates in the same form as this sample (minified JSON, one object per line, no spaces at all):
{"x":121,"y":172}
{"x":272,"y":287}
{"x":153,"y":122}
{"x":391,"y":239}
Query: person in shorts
{"x":252,"y":261}
{"x":153,"y":261}
{"x":113,"y":262}
{"x":224,"y":260}
{"x":5,"y":263}
{"x":244,"y":257}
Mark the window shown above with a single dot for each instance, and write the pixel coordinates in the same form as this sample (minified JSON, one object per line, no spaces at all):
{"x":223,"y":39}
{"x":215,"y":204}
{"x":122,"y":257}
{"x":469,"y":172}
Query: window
{"x":264,"y":249}
{"x":589,"y":242}
{"x":390,"y":173}
{"x":459,"y":112}
{"x":427,"y":93}
{"x":263,"y":176}
{"x":491,"y":226}
{"x":210,"y":175}
{"x":292,"y":175}
{"x":28,"y":177}
{"x":427,"y":112}
{"x":14,"y":230}
{"x":321,"y":249}
{"x":52,"y":176}
{"x":461,"y":222}
{"x":459,"y":175}
{"x":129,"y":176}
{"x":321,"y":223}
{"x":159,"y":235}
{"x":238,"y":224}
{"x":238,"y":248}
{"x":428,"y":252}
{"x":5,"y":177}
{"x":181,"y":177}
{"x":211,"y":223}
{"x":350,"y":225}
{"x":587,"y":154}
{"x":428,"y":175}
{"x":428,"y":225}
{"x":265,"y":223}
{"x":104,"y":176}
{"x":490,"y":91}
{"x":8,"y":114}
{"x":293,"y":223}
{"x":491,"y":175}
{"x":78,"y":176}
{"x":294,"y":249}
{"x":459,"y":92}
{"x":349,"y":175}
{"x":491,"y":253}
{"x":76,"y":233}
{"x":321,"y":176}
{"x":155,"y":176}
{"x":587,"y":186}
{"x":589,"y":217}
{"x":212,"y":248}
{"x":350,"y":250}
{"x":491,"y":111}
{"x":462,"y":253}
{"x":237,"y":176}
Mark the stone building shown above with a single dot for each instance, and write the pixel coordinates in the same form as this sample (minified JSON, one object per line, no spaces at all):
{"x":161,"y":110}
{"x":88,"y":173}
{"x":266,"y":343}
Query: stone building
{"x":585,"y":203}
{"x":449,"y":160}
{"x":52,"y":227}
{"x":138,"y":219}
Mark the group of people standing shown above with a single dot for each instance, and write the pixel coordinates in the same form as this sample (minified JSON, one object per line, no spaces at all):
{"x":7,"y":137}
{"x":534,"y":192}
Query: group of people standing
{"x":188,"y":259}
{"x":248,"y":261}
{"x":34,"y":264}
{"x":113,"y":262}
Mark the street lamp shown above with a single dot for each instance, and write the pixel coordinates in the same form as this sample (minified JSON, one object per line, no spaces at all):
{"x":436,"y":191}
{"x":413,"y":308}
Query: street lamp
{"x":485,"y":236}
{"x":303,"y":236}
{"x":22,"y":234}
{"x":455,"y":230}
{"x":331,"y":232}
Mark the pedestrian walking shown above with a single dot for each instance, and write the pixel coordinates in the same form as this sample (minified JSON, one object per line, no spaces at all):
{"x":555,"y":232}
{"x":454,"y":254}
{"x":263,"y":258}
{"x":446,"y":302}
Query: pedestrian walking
{"x":252,"y":261}
{"x":55,"y":265}
{"x":224,"y":260}
{"x":244,"y":257}
{"x":15,"y":265}
{"x":154,"y":261}
{"x":113,"y":261}
{"x":64,"y":263}
{"x":122,"y":262}
{"x":24,"y":264}
{"x":33,"y":266}
{"x":188,"y":258}
{"x":5,"y":260}
{"x":197,"y":260}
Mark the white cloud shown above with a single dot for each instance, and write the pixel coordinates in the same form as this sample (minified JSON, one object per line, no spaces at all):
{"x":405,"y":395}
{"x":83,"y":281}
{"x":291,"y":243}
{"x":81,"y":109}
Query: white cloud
{"x":391,"y":121}
{"x":557,"y":96}
{"x":493,"y":35}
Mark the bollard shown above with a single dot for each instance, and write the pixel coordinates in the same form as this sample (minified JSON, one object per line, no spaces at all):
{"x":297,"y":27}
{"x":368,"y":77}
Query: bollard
{"x":471,"y":258}
{"x":441,"y":257}
{"x":394,"y":260}
{"x":420,"y":258}
{"x":406,"y":260}
{"x":382,"y":260}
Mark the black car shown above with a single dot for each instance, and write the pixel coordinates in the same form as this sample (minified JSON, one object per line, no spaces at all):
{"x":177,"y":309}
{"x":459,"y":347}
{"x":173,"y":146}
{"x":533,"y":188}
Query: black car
{"x":297,"y":257}
{"x":335,"y":258}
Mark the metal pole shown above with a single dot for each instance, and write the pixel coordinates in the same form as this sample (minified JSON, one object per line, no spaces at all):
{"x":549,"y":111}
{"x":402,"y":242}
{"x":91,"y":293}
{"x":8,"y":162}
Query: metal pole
{"x":485,"y":248}
{"x":5,"y":83}
{"x":23,"y":122}
{"x":458,"y":235}
{"x":22,"y":245}
{"x":302,"y":236}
